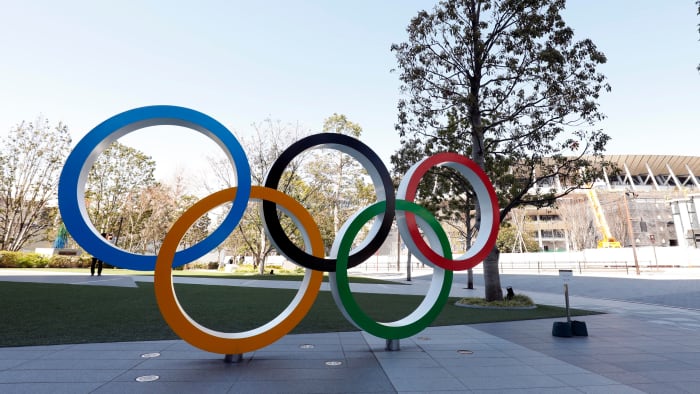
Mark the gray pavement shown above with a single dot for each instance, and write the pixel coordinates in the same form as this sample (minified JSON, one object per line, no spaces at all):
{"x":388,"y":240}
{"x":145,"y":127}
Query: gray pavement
{"x":638,"y":346}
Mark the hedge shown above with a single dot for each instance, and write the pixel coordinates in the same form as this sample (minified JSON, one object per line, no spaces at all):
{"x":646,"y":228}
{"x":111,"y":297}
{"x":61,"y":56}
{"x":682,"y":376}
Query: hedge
{"x":35,"y":260}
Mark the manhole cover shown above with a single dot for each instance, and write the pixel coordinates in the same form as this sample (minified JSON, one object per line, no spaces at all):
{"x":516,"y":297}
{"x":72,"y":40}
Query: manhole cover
{"x":147,"y":378}
{"x":306,"y":346}
{"x":150,"y":355}
{"x":334,"y":363}
{"x":423,"y":338}
{"x":464,"y":351}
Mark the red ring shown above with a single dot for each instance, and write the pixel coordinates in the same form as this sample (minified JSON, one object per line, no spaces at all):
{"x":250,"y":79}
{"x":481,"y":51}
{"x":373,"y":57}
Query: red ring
{"x":409,"y":193}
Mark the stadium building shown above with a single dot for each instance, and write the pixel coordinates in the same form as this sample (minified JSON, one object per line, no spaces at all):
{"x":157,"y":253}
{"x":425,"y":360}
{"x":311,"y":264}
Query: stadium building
{"x":653,"y":200}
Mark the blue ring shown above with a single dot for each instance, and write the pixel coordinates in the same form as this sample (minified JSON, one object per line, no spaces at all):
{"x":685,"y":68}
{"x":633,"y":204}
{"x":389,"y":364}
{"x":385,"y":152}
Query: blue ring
{"x":71,"y":187}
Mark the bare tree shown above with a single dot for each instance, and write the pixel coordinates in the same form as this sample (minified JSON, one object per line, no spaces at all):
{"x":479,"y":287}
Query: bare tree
{"x":579,"y":221}
{"x":263,"y":147}
{"x":31,"y":158}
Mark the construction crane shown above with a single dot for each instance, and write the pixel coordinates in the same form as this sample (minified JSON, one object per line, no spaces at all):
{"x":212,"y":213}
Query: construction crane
{"x":608,"y":240}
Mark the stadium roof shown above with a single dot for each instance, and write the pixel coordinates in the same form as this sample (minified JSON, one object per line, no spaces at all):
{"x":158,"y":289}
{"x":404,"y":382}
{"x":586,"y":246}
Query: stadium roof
{"x":637,"y":164}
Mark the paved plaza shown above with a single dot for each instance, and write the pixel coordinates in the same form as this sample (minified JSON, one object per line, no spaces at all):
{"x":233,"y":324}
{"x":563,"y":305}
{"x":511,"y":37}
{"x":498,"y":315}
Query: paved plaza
{"x":637,"y":346}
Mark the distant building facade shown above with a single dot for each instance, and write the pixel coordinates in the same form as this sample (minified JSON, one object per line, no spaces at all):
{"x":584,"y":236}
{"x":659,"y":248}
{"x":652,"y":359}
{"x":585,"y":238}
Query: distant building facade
{"x":653,"y":200}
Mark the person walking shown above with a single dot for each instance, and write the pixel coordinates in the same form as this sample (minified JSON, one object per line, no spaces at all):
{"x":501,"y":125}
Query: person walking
{"x":97,"y":262}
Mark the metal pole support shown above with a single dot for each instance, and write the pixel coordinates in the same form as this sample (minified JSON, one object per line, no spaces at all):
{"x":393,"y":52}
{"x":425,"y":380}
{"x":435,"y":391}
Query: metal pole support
{"x":392,"y":345}
{"x":566,"y":298}
{"x":233,"y":358}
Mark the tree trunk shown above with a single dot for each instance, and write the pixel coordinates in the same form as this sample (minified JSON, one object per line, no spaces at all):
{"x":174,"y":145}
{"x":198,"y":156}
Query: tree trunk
{"x":492,"y":279}
{"x":261,"y":255}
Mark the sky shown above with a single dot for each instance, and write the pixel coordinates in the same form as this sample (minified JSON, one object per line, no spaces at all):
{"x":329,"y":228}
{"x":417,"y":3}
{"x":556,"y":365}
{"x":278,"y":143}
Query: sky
{"x":298,"y":62}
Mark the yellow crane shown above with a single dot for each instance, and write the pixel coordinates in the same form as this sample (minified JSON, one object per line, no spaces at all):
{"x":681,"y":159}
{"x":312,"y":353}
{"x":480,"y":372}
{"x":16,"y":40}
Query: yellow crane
{"x":608,"y":240}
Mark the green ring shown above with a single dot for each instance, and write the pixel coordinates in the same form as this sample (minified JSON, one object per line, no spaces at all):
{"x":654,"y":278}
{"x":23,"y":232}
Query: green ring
{"x":425,"y":313}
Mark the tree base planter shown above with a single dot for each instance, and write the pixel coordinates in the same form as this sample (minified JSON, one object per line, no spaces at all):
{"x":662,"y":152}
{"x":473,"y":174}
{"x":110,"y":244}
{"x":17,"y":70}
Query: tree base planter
{"x":562,"y":329}
{"x":573,"y":328}
{"x":578,"y":328}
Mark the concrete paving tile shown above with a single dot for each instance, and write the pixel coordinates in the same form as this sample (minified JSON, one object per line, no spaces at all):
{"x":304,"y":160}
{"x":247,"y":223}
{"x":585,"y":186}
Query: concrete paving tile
{"x":458,"y":345}
{"x":537,"y":359}
{"x":559,"y":369}
{"x":230,"y":375}
{"x":182,"y":346}
{"x":48,"y":388}
{"x":195,"y":364}
{"x":537,"y":390}
{"x":687,"y":375}
{"x":692,"y":359}
{"x":152,"y":346}
{"x":360,"y":362}
{"x":304,"y":347}
{"x":356,"y":347}
{"x":496,"y":371}
{"x":298,"y":354}
{"x":511,"y":382}
{"x":72,"y":354}
{"x":518,"y":352}
{"x":80,"y":365}
{"x":462,"y":391}
{"x":584,"y":379}
{"x":381,"y":355}
{"x":600,"y":367}
{"x":665,"y":388}
{"x":281,"y":364}
{"x":634,"y":357}
{"x":409,"y":363}
{"x":7,"y":364}
{"x":612,"y":389}
{"x":398,"y":372}
{"x":307,"y":386}
{"x":57,"y":376}
{"x":477,"y":354}
{"x":43,"y":349}
{"x":466,"y":362}
{"x":289,"y":374}
{"x":362,"y":354}
{"x":628,"y":377}
{"x":328,"y":338}
{"x":578,"y":359}
{"x":158,"y":387}
{"x":187,"y":355}
{"x":652,"y":366}
{"x":428,"y":384}
{"x":22,"y":354}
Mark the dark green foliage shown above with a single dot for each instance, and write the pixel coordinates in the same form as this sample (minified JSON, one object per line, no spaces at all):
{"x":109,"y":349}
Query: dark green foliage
{"x":505,"y":83}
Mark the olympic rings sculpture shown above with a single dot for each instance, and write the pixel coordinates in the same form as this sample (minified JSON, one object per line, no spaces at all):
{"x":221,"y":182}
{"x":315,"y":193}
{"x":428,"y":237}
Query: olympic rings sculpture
{"x":414,"y":222}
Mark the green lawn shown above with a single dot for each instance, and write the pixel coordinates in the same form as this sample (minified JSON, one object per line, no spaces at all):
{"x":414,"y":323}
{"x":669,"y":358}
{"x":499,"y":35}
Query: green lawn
{"x":286,"y":276}
{"x":44,"y":314}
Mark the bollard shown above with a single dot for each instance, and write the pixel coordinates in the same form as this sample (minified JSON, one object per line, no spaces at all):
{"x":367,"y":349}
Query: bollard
{"x":392,"y":345}
{"x":233,"y":358}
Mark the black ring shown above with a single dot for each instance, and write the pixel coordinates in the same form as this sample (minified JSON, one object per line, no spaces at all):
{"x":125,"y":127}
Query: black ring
{"x":382,"y":185}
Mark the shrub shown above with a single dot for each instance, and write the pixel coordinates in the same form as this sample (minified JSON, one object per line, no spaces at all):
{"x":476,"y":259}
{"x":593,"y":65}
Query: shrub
{"x":520,"y":300}
{"x":70,"y":261}
{"x":22,"y":260}
{"x":212,"y":265}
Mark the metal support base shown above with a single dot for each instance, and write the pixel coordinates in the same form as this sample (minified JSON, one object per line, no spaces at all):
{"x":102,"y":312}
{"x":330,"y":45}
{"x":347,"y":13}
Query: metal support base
{"x":233,"y":358}
{"x":392,"y":345}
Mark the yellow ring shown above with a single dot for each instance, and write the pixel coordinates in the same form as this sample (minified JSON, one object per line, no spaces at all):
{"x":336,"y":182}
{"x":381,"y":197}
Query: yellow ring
{"x":236,"y":343}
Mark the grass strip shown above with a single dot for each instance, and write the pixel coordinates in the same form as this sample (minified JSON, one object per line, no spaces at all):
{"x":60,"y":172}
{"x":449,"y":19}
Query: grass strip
{"x":49,"y":314}
{"x":213,"y":274}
